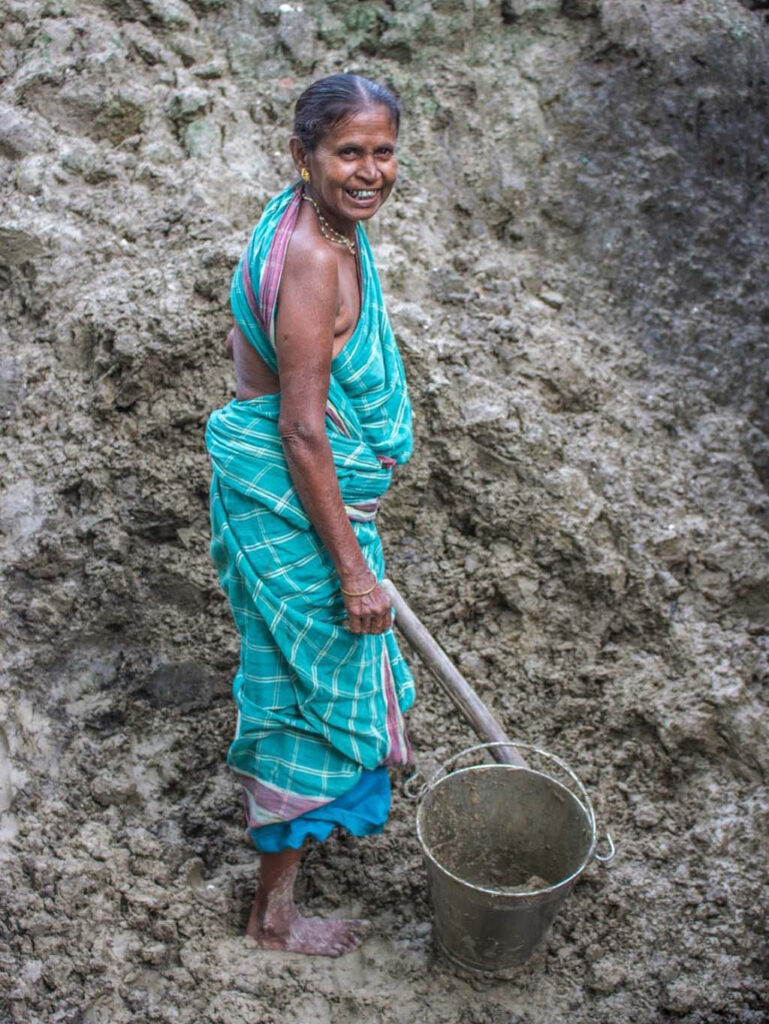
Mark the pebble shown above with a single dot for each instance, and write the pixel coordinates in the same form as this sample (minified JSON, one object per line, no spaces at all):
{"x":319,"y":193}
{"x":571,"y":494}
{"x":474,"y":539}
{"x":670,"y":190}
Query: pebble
{"x":553,"y":299}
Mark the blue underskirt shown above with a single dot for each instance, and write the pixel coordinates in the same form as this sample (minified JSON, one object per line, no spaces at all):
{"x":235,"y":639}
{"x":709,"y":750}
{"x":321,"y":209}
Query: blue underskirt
{"x":362,"y":811}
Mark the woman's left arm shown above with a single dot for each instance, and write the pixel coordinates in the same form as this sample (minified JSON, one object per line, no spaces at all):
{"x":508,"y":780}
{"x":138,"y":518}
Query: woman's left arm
{"x":304,"y":347}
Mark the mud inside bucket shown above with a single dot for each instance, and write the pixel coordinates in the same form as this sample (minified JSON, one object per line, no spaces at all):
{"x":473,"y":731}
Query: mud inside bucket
{"x":503,"y":846}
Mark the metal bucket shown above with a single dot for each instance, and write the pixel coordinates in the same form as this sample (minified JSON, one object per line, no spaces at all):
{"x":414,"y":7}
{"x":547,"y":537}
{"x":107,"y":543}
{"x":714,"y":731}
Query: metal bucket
{"x":503,"y":845}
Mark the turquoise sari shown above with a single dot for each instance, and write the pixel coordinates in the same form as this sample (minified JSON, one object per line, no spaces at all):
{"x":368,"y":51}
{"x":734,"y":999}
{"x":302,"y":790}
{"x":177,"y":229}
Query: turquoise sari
{"x":318,"y":706}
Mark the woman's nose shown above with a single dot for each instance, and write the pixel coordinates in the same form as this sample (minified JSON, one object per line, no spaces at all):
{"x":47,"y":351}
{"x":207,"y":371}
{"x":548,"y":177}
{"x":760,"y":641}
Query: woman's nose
{"x":367,"y":169}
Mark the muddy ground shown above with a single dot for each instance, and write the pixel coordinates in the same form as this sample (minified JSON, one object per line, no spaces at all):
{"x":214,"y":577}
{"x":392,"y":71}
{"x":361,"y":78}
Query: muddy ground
{"x":575,"y":262}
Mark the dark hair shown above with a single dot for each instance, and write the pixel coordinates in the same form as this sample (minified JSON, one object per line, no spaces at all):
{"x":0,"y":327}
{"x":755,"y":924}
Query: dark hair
{"x":327,"y":102}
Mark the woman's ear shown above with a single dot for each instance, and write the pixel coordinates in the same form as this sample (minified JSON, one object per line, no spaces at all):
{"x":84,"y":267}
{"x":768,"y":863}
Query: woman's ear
{"x":298,"y":154}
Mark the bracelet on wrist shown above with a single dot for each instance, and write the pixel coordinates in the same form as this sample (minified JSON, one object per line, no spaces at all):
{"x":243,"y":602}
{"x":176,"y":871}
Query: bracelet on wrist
{"x":361,"y":593}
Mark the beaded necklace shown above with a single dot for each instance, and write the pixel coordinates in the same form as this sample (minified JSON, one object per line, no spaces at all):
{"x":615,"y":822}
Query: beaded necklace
{"x":327,"y":231}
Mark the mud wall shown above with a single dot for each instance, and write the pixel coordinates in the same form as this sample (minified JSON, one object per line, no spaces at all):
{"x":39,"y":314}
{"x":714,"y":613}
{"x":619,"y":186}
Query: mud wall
{"x":573,"y":262}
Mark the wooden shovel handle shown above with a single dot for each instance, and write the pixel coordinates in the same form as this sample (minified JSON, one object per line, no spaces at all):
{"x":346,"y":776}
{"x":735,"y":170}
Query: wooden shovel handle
{"x":451,"y":679}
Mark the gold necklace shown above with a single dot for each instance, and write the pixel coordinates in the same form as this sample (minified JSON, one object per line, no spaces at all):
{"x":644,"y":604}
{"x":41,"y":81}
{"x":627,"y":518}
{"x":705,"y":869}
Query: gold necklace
{"x":327,"y":231}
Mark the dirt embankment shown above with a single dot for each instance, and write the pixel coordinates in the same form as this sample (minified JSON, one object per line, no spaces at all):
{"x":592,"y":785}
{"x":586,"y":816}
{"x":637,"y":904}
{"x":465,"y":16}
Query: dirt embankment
{"x":574,"y":262}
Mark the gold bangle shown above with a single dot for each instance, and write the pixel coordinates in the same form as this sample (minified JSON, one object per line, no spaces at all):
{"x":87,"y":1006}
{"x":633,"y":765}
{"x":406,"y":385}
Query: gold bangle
{"x":363,"y":593}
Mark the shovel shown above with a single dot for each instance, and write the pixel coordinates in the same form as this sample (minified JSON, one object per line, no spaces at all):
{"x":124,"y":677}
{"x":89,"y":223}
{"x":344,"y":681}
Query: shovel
{"x":451,"y":679}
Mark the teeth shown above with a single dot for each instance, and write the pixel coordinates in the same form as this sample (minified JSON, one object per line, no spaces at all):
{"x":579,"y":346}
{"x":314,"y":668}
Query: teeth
{"x":359,"y":193}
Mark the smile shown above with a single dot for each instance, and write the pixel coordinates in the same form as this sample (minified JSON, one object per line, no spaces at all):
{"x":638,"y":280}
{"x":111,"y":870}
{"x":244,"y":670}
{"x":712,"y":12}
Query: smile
{"x":362,"y":193}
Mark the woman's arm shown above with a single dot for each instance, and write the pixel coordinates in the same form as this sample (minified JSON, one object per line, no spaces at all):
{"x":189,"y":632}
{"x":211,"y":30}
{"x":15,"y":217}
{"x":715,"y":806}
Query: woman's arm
{"x":304,"y":346}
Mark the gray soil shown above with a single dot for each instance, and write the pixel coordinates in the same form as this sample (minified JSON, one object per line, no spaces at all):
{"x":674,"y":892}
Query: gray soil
{"x":575,"y":262}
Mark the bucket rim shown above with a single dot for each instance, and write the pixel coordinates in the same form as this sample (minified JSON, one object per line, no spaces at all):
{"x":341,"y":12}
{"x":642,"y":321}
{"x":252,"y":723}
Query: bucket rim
{"x":498,"y":891}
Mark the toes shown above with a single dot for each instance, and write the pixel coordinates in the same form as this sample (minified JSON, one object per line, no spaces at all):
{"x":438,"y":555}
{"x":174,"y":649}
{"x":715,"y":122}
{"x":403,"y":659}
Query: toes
{"x":348,"y":936}
{"x":354,"y":937}
{"x":340,"y":944}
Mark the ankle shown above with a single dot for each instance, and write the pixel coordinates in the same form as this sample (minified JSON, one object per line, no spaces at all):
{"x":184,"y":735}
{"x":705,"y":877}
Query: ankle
{"x":276,"y":914}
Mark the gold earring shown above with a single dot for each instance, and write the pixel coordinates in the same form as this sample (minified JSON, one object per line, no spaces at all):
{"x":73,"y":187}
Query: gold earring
{"x":305,"y":174}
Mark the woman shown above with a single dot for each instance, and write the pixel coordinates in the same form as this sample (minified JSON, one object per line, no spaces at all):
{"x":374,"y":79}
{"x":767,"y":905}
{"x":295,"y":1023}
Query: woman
{"x":300,"y":461}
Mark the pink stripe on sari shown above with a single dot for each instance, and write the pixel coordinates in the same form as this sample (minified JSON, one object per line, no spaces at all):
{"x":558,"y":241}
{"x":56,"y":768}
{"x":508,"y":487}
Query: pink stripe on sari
{"x":276,"y":257}
{"x":400,"y":748}
{"x":277,"y":804}
{"x":245,"y":277}
{"x":269,"y":284}
{"x":336,"y":419}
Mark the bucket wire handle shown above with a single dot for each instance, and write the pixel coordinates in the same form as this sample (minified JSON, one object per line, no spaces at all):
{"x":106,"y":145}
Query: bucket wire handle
{"x":532,"y":748}
{"x":606,"y":858}
{"x":411,"y":788}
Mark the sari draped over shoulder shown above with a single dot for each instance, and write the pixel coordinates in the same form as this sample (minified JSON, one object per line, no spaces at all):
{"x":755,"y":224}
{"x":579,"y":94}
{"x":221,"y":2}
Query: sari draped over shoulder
{"x":318,"y":707}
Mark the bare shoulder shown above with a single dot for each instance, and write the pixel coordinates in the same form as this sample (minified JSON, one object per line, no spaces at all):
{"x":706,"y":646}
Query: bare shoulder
{"x":311,"y":263}
{"x":308,"y":299}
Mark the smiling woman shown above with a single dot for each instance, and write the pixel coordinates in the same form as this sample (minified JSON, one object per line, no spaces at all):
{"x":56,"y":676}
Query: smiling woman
{"x":300,"y":461}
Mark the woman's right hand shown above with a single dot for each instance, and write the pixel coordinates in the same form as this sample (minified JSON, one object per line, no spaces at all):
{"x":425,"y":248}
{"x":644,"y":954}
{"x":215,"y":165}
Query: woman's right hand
{"x":371,"y":613}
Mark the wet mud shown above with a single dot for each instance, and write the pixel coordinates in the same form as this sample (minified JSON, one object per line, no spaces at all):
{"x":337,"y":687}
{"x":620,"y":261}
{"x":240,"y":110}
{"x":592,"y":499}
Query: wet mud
{"x":574,"y":261}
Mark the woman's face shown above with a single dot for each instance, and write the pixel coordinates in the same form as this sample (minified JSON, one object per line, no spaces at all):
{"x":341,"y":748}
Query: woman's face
{"x":353,"y":168}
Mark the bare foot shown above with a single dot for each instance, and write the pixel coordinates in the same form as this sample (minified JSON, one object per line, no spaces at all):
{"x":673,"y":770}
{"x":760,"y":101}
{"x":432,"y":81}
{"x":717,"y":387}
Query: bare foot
{"x":311,"y":935}
{"x":275,"y":921}
{"x":314,"y":935}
